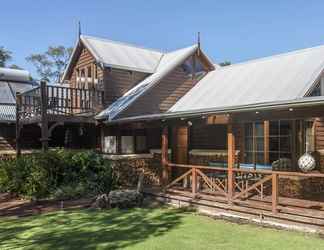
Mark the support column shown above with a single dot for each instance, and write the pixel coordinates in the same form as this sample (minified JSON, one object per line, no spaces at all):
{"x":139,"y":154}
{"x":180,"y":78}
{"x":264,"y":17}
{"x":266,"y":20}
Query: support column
{"x":275,"y":193}
{"x":230,"y":160}
{"x":18,"y":126}
{"x":44,"y":121}
{"x":266,"y":132}
{"x":165,"y":156}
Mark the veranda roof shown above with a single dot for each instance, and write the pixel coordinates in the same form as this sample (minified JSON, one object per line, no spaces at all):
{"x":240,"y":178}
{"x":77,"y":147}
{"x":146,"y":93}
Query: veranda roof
{"x":282,"y":77}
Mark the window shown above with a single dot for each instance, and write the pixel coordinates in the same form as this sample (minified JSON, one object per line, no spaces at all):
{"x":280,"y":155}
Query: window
{"x":110,"y":144}
{"x":127,"y":145}
{"x":96,"y":71}
{"x":89,"y":71}
{"x":140,"y":144}
{"x":316,"y":91}
{"x":189,"y":67}
{"x":82,"y":73}
{"x":280,"y":137}
{"x":254,"y":143}
{"x":309,"y":136}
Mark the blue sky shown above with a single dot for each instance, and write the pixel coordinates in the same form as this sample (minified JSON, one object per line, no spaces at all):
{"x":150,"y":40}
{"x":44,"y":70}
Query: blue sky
{"x":230,"y":30}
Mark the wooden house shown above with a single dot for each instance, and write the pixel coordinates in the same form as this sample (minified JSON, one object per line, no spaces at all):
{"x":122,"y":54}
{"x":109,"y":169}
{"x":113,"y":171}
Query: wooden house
{"x":232,"y":135}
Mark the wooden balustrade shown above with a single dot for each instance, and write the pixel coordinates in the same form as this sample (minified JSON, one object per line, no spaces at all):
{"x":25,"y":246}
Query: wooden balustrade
{"x":60,"y":101}
{"x":256,"y":180}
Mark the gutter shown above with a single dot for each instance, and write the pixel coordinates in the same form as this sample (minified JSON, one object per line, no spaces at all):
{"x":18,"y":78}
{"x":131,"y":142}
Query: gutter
{"x":297,"y":103}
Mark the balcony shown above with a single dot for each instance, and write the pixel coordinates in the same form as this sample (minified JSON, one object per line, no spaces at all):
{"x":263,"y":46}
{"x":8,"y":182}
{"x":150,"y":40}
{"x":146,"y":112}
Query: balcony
{"x":58,"y":103}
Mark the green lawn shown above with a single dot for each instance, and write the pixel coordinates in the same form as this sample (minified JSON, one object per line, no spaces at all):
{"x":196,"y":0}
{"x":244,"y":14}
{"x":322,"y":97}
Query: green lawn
{"x":143,"y":229}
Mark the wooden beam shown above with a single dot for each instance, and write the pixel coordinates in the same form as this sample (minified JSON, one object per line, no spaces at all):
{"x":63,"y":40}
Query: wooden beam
{"x":266,"y":132}
{"x":275,"y":193}
{"x":230,"y":160}
{"x":18,"y":125}
{"x":44,"y":121}
{"x":165,"y":156}
{"x":242,"y":143}
{"x":294,"y":148}
{"x":218,"y":119}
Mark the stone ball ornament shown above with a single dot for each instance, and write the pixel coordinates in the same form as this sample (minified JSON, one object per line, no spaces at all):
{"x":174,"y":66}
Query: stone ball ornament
{"x":306,"y":162}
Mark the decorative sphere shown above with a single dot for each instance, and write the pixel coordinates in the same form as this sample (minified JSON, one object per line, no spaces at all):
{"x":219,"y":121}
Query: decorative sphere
{"x":306,"y":162}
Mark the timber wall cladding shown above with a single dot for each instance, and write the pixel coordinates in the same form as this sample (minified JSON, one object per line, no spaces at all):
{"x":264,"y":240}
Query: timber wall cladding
{"x":163,"y":96}
{"x":319,"y":133}
{"x":85,"y":60}
{"x":117,"y":82}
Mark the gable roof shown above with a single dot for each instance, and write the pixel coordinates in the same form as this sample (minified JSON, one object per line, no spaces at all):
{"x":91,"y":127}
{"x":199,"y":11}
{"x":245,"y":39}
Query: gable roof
{"x":11,"y":82}
{"x":121,"y":55}
{"x":281,"y":77}
{"x":118,"y":55}
{"x":168,"y":62}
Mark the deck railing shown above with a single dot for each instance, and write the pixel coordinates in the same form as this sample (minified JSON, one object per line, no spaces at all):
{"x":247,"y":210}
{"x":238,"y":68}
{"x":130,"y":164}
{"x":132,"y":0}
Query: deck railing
{"x":59,"y":100}
{"x":246,"y":182}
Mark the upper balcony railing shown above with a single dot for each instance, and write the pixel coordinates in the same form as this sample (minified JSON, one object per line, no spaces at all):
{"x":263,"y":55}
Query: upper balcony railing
{"x":58,"y":100}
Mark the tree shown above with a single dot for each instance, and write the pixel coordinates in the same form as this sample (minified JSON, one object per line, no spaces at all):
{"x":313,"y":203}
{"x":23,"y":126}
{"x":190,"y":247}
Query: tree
{"x":225,"y":63}
{"x":5,"y":56}
{"x":51,"y":64}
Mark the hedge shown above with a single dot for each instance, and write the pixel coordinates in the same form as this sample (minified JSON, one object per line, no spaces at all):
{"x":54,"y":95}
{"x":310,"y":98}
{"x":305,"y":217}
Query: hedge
{"x":60,"y":174}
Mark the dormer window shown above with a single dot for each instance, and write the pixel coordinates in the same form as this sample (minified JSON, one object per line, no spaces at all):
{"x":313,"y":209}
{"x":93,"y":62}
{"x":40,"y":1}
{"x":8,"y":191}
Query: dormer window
{"x":191,"y":67}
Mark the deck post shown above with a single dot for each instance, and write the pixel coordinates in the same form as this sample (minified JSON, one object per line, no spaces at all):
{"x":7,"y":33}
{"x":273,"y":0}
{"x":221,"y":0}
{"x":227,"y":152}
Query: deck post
{"x":18,"y":126}
{"x":275,"y":193}
{"x":194,"y":182}
{"x":230,"y":160}
{"x":44,"y":121}
{"x":165,"y":156}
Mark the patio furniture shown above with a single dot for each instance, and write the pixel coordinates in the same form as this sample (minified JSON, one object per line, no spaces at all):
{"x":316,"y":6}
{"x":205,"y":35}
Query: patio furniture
{"x":247,"y":178}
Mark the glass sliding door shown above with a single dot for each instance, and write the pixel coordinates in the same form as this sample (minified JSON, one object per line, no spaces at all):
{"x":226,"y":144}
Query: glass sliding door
{"x":254,"y":143}
{"x":280,"y":140}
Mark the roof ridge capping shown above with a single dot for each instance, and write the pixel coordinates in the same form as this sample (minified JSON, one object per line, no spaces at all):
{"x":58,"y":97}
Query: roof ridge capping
{"x":123,"y":43}
{"x":259,"y":59}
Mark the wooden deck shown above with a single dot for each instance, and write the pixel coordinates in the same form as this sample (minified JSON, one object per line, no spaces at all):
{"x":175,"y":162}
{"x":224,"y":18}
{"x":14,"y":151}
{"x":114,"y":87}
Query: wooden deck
{"x":295,"y":214}
{"x":243,"y":192}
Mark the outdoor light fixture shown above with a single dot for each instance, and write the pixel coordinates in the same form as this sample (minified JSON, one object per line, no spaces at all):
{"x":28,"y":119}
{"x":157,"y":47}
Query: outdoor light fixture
{"x":182,"y":119}
{"x":291,"y":109}
{"x":257,"y":112}
{"x":189,"y":123}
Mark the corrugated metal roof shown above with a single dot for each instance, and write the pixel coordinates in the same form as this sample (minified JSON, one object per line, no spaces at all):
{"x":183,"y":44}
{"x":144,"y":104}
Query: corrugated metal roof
{"x":122,"y":55}
{"x":6,"y":95}
{"x":304,"y":102}
{"x":16,"y":81}
{"x":168,"y":62}
{"x":14,"y":75}
{"x":282,"y":77}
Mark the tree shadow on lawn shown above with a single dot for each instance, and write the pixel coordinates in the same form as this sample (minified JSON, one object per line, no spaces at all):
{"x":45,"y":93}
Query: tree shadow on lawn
{"x":88,"y":229}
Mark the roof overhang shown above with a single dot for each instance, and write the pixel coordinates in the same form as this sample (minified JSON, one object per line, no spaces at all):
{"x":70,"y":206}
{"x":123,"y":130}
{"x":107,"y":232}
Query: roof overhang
{"x":306,"y":102}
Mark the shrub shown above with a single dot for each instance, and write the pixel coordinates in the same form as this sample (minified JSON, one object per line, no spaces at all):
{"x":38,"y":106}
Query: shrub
{"x":57,"y":173}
